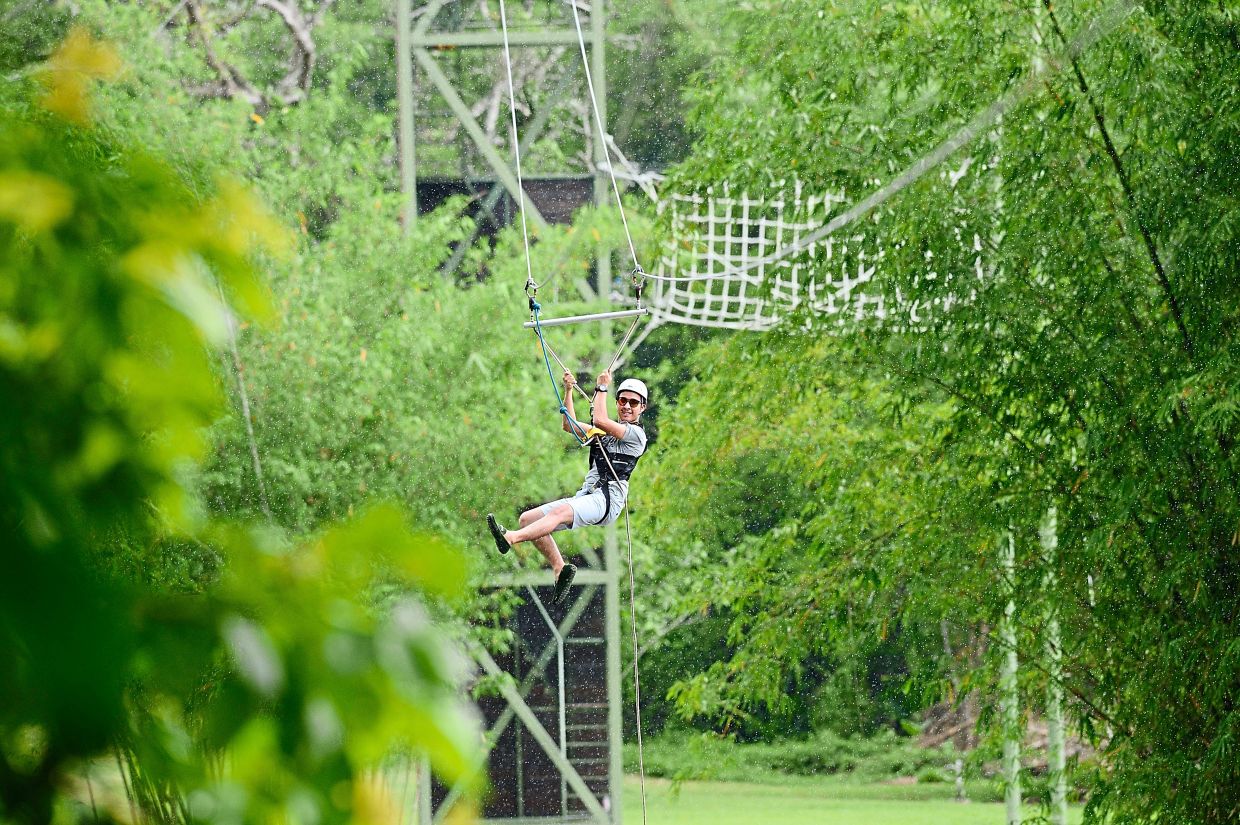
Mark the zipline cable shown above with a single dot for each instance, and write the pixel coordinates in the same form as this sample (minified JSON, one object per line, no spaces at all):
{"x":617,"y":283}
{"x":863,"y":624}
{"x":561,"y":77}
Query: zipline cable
{"x":1086,"y":38}
{"x":516,"y":148}
{"x":602,"y":133}
{"x":525,"y":235}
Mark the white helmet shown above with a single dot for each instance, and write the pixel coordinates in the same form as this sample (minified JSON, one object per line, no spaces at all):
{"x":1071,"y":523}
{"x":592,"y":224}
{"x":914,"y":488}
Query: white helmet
{"x":633,"y":385}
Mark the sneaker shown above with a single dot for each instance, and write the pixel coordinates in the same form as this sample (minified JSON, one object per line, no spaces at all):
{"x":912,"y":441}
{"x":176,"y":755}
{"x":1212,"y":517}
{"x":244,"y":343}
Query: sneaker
{"x":497,"y":532}
{"x":563,"y":582}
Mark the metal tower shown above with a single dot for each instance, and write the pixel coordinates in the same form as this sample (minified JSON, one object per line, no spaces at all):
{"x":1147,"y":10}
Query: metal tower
{"x":554,"y":735}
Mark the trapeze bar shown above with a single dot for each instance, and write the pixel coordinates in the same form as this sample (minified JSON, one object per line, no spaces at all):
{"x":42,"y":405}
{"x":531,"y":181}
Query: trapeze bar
{"x":598,"y":316}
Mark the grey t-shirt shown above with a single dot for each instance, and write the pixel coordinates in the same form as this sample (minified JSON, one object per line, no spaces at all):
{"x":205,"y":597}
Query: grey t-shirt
{"x":633,"y":442}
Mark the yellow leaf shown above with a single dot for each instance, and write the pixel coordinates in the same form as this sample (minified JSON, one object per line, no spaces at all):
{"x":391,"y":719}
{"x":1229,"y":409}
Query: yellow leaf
{"x":70,"y":69}
{"x":156,"y":262}
{"x":257,"y":118}
{"x":363,"y":356}
{"x":32,"y":201}
{"x":83,"y":54}
{"x":373,"y":803}
{"x":243,"y":220}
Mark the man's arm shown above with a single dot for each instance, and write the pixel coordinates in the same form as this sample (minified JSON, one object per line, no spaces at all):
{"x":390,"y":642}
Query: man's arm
{"x":598,"y":410}
{"x":566,"y":424}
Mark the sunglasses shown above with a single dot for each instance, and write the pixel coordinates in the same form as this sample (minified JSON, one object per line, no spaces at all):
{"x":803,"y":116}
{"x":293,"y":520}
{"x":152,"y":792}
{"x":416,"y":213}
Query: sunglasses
{"x":629,"y":402}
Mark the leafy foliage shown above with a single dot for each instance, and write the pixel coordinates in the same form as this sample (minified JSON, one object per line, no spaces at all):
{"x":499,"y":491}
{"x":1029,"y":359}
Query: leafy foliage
{"x":797,"y":480}
{"x":1080,"y":373}
{"x":706,"y":757}
{"x":823,"y":513}
{"x":113,"y":272}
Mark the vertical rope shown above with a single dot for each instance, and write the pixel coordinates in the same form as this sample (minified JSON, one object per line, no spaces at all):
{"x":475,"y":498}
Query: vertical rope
{"x":637,"y":682}
{"x":516,"y":146}
{"x":602,"y":134}
{"x":244,"y":398}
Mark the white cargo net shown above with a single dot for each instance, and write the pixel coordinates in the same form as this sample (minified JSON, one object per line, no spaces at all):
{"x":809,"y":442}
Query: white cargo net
{"x":723,"y":264}
{"x":738,"y":262}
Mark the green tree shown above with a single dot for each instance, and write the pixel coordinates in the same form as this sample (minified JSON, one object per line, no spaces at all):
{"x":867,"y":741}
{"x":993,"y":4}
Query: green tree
{"x":809,"y":501}
{"x":1091,"y":366}
{"x":289,"y":663}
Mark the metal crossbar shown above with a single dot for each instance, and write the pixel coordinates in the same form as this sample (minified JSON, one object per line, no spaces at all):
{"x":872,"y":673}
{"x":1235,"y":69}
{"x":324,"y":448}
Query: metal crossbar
{"x":577,"y":319}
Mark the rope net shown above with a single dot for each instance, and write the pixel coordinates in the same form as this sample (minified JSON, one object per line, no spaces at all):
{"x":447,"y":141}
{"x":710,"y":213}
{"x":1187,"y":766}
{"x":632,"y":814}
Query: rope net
{"x":743,"y":262}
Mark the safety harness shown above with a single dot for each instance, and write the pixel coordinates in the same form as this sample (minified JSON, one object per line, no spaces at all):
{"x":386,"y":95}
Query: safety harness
{"x":611,"y":467}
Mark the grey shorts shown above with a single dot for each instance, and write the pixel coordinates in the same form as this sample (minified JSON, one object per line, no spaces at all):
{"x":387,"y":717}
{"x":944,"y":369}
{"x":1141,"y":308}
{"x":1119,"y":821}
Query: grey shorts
{"x":587,"y":509}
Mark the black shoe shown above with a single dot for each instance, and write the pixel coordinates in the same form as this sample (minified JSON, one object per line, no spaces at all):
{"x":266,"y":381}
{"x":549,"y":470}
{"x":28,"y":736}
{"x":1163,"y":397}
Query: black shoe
{"x":497,"y":532}
{"x":563,"y":582}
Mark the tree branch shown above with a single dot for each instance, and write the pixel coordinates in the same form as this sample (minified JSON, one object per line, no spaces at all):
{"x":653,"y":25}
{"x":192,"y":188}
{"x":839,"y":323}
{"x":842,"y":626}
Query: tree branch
{"x":295,"y":85}
{"x":230,"y":83}
{"x":1126,"y":185}
{"x":973,"y":404}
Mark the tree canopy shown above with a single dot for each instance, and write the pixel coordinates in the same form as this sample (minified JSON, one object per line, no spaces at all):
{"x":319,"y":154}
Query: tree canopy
{"x":1088,"y":369}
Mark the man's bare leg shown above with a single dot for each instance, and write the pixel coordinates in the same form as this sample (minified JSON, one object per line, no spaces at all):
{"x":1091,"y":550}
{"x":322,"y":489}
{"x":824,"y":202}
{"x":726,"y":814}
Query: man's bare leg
{"x":542,"y":526}
{"x":537,"y":528}
{"x":545,"y":544}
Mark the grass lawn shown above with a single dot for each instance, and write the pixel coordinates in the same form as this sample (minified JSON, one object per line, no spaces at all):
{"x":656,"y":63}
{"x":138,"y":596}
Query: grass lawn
{"x":814,"y":801}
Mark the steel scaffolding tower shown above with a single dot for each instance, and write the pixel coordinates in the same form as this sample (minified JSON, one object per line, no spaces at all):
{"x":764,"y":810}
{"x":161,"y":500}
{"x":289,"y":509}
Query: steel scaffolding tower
{"x":554,"y":733}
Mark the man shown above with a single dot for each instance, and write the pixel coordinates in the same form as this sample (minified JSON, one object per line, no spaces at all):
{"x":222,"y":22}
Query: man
{"x":613,"y":455}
